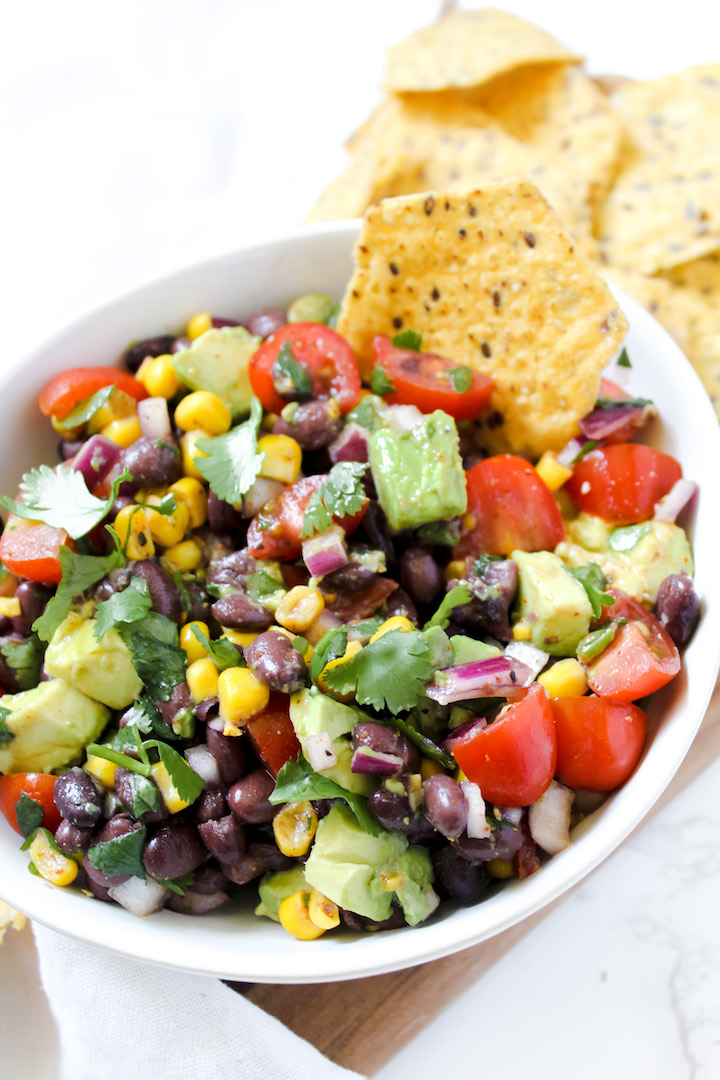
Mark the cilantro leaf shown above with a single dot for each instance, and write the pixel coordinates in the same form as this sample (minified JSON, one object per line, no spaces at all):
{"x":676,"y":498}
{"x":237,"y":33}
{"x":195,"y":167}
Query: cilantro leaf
{"x":341,"y":493}
{"x":156,"y":653}
{"x":29,"y":814}
{"x":144,"y":795}
{"x":390,"y":673}
{"x":177,"y":885}
{"x":442,"y":533}
{"x":296,"y":781}
{"x":423,"y":743}
{"x":233,"y":462}
{"x":167,"y":505}
{"x":623,"y":359}
{"x":330,"y":646}
{"x":291,"y":379}
{"x":222,"y":652}
{"x":122,"y":855}
{"x":380,"y":382}
{"x":595,"y":585}
{"x":186,"y":782}
{"x":460,"y":594}
{"x":633,"y":402}
{"x":86,"y":409}
{"x":124,"y":607}
{"x":25,"y":659}
{"x":79,"y":572}
{"x":60,"y":498}
{"x":461,"y":378}
{"x":585,"y":449}
{"x":143,"y":716}
{"x":408,"y":339}
{"x":6,"y":735}
{"x":366,"y":413}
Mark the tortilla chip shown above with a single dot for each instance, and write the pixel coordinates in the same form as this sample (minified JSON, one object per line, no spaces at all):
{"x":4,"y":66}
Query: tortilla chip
{"x":702,"y":275}
{"x":664,"y":209}
{"x":491,"y":278}
{"x":10,"y":917}
{"x":467,"y":48}
{"x":363,"y":182}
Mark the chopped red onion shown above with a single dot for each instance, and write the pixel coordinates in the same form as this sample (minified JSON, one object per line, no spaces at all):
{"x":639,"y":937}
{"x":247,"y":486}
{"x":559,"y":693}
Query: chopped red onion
{"x":569,"y":452}
{"x":680,"y":495}
{"x":154,"y":418}
{"x":478,"y":723}
{"x":203,"y":763}
{"x":477,"y":823}
{"x":319,"y":751}
{"x":499,"y":676}
{"x":324,"y":553}
{"x":140,"y":896}
{"x":95,"y":458}
{"x":529,"y":655}
{"x":549,"y":818}
{"x":261,"y":491}
{"x":350,"y":445}
{"x":375,"y":763}
{"x":324,"y":622}
{"x":618,"y":421}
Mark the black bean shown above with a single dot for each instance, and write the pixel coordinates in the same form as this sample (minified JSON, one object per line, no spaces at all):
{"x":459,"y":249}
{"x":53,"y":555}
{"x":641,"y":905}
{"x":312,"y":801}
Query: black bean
{"x":211,"y":805}
{"x":393,"y":812}
{"x":240,"y":613}
{"x":361,"y":922}
{"x":270,"y":854}
{"x":117,"y":826}
{"x":224,"y":838}
{"x":79,"y":798}
{"x":233,"y":569}
{"x":445,"y":805}
{"x":249,"y":798}
{"x":33,"y":598}
{"x":400,"y":603}
{"x":266,"y":321}
{"x":208,"y":708}
{"x":493,"y":593}
{"x":174,"y":850}
{"x":178,"y":710}
{"x":275,"y":662}
{"x":420,"y":574}
{"x":70,"y":839}
{"x":68,"y":448}
{"x":353,"y":577}
{"x":164,"y":593}
{"x":153,"y":462}
{"x":198,"y":601}
{"x":222,"y":515}
{"x":258,"y":859}
{"x":135,"y":791}
{"x":313,"y":425}
{"x":677,"y":607}
{"x":181,"y":343}
{"x":378,"y":737}
{"x":195,"y":902}
{"x":456,"y":878}
{"x":229,"y":753}
{"x":154,"y":346}
{"x":375,"y":527}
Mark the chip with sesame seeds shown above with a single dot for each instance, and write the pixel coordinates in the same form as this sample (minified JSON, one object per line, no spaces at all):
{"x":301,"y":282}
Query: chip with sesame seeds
{"x":491,"y":278}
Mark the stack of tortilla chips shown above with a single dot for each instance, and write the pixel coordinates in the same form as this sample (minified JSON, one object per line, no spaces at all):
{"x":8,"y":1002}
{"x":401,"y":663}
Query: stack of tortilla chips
{"x":633,"y":169}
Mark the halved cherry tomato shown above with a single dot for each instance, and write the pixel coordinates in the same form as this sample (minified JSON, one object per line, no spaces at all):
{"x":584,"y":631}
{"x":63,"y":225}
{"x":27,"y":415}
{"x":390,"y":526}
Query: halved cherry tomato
{"x":273,"y":735}
{"x":326,"y":355}
{"x":642,"y":658}
{"x":509,"y":507}
{"x":424,"y":380}
{"x":599,"y":741}
{"x":31,"y":550}
{"x":69,"y":388}
{"x":37,"y":786}
{"x":622,"y":483}
{"x":275,"y":533}
{"x":513,"y":759}
{"x":609,"y":389}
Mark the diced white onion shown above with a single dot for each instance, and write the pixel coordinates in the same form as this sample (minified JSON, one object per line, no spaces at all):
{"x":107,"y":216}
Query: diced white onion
{"x":138,"y":896}
{"x":676,"y":500}
{"x":549,"y":818}
{"x":402,"y":418}
{"x":262,"y":490}
{"x":477,"y":823}
{"x":318,"y":749}
{"x":527,"y":654}
{"x":154,"y":418}
{"x":204,"y":764}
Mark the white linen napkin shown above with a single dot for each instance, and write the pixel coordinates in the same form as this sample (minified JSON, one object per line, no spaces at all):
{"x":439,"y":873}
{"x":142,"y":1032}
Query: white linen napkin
{"x":116,"y":1014}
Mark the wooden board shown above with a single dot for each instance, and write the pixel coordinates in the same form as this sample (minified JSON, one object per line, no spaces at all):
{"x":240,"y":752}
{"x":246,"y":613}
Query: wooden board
{"x":361,"y":1024}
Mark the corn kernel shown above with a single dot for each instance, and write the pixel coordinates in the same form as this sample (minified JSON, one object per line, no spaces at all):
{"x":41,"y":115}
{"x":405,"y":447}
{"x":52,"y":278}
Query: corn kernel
{"x":299,"y":608}
{"x":133,"y":530}
{"x":193,"y":648}
{"x":192,"y":494}
{"x":241,"y":695}
{"x":118,"y":406}
{"x":185,"y":556}
{"x":202,"y":679}
{"x":102,"y":769}
{"x":522,"y":631}
{"x":396,"y":622}
{"x":500,"y":868}
{"x":199,"y":324}
{"x":240,"y":637}
{"x":189,"y":452}
{"x":9,"y":606}
{"x":566,"y":678}
{"x":123,"y":432}
{"x":167,"y":789}
{"x":295,"y":918}
{"x":283,"y":458}
{"x":455,"y":569}
{"x":49,"y":863}
{"x":551,"y":471}
{"x":157,"y":375}
{"x":168,"y":529}
{"x":322,"y":912}
{"x":460,"y":775}
{"x":429,"y":768}
{"x":352,"y":649}
{"x":294,"y":827}
{"x":8,"y":584}
{"x":205,"y":410}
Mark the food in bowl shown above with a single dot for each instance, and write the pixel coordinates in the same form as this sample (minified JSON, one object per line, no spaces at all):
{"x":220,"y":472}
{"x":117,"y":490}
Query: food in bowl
{"x":252,"y":691}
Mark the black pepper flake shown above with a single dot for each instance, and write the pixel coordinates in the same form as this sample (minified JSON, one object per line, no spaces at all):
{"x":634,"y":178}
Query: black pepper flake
{"x":142,"y":539}
{"x":530,"y":239}
{"x":495,"y":419}
{"x":435,"y":293}
{"x":393,"y":268}
{"x":496,"y":299}
{"x":447,"y":204}
{"x":429,"y":205}
{"x":397,"y":322}
{"x":462,"y":233}
{"x":513,"y":676}
{"x":485,"y":349}
{"x":356,"y":294}
{"x":472,"y":211}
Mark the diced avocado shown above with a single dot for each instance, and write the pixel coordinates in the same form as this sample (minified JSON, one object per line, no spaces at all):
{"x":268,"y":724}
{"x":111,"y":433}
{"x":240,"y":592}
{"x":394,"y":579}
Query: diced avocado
{"x":276,"y":887}
{"x":315,"y":307}
{"x":50,"y":725}
{"x":312,"y":712}
{"x":636,"y":558}
{"x":266,"y":586}
{"x":219,"y":361}
{"x":419,"y":474}
{"x":551,"y":602}
{"x":441,"y":651}
{"x":360,"y":872}
{"x":467,"y":650}
{"x":589,"y":531}
{"x":101,"y":669}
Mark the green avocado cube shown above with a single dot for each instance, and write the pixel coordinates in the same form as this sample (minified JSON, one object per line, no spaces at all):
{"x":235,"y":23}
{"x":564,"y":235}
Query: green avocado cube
{"x":102,"y":669}
{"x":48,"y":726}
{"x":219,"y":361}
{"x":551,"y":602}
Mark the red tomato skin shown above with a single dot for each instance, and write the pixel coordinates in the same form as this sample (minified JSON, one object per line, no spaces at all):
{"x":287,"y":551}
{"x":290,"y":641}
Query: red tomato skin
{"x":326,"y":354}
{"x":511,"y":507}
{"x":635,"y":664}
{"x":621,"y":483}
{"x":513,"y":759}
{"x":283,"y":539}
{"x":66,"y":390}
{"x":419,"y":385}
{"x":31,"y":550}
{"x":273,"y":735}
{"x":38,"y":786}
{"x":599,"y":742}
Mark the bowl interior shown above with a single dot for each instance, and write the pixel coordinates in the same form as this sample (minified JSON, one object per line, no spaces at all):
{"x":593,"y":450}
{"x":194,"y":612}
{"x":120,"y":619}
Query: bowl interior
{"x":238,"y":945}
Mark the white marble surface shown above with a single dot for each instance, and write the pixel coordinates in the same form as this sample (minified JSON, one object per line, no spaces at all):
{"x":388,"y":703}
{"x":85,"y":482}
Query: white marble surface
{"x":140,"y":136}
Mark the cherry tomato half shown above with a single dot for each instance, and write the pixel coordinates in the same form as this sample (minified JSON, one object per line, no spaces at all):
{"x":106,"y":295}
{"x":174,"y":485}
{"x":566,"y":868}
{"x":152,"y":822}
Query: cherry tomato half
{"x":599,"y":742}
{"x":326,"y":355}
{"x":71,"y":387}
{"x":31,"y":550}
{"x":425,"y":380}
{"x":513,"y":759}
{"x":37,"y":786}
{"x":621,"y":483}
{"x":273,"y":735}
{"x":642,"y":658}
{"x":276,"y":532}
{"x":509,"y":507}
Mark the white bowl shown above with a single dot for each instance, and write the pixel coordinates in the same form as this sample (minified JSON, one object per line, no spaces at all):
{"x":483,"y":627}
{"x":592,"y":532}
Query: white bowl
{"x":236,"y":944}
